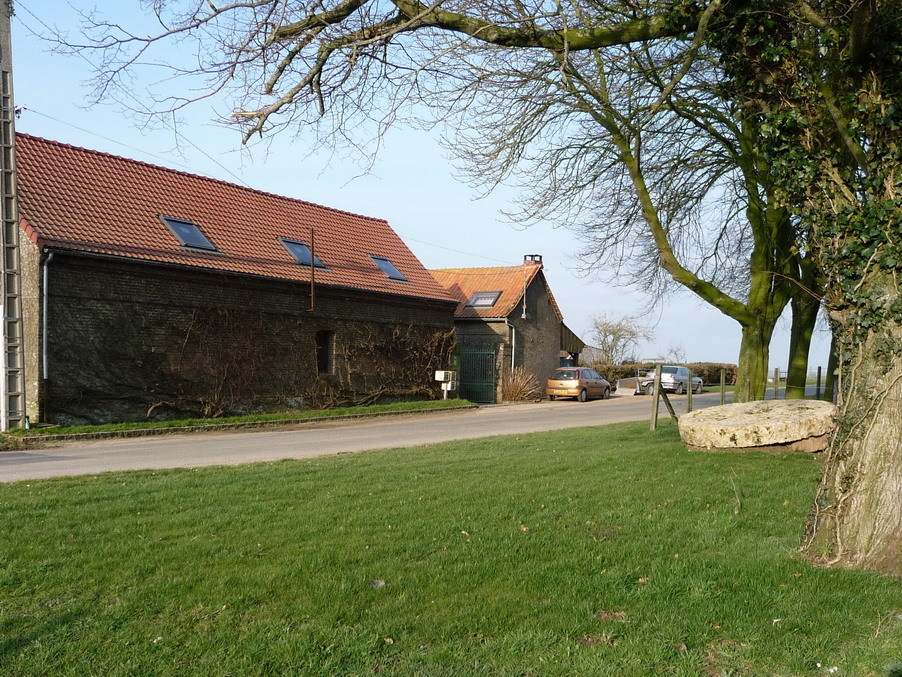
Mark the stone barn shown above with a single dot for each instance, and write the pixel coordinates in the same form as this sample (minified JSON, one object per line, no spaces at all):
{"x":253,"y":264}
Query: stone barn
{"x":151,"y":293}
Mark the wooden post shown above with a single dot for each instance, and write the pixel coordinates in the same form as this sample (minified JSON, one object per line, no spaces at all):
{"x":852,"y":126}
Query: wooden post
{"x":723,"y":385}
{"x":776,"y":382}
{"x":654,"y":398}
{"x":817,"y":390}
{"x":669,"y":407}
{"x":689,"y":393}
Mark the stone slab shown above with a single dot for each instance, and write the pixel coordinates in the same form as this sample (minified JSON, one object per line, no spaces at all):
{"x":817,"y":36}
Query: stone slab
{"x":803,"y":425}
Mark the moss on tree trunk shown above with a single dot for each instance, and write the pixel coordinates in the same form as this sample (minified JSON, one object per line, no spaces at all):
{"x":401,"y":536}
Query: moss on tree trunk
{"x":751,"y":377}
{"x":804,"y":317}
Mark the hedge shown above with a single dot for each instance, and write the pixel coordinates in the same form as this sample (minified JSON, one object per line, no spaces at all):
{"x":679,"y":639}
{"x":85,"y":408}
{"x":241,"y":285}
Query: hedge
{"x":709,"y":372}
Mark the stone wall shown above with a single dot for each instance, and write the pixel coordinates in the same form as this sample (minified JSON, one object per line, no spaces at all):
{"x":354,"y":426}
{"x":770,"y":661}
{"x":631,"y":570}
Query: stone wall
{"x":129,"y":340}
{"x":539,"y":334}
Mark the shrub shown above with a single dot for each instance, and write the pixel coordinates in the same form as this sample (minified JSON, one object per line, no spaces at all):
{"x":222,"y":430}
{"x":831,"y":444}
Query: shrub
{"x":519,"y":385}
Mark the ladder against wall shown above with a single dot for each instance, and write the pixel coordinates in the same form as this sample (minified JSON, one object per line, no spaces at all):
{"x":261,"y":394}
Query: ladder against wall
{"x":12,"y":385}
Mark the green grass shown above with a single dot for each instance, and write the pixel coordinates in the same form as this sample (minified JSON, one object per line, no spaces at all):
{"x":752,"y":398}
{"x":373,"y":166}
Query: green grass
{"x":595,"y":551}
{"x":286,"y":416}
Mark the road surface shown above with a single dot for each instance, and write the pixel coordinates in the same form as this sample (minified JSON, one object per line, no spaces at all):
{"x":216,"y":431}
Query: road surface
{"x":323,"y":438}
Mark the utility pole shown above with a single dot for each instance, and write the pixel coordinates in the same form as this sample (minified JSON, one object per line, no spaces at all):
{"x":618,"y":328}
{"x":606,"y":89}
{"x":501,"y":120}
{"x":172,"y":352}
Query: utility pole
{"x":12,"y":373}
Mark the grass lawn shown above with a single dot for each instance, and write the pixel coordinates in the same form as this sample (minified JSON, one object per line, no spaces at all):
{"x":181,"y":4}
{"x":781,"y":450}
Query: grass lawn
{"x":595,"y":551}
{"x":246,"y":419}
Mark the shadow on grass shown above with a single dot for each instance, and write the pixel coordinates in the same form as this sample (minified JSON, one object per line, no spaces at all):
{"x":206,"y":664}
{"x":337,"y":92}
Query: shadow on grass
{"x":15,"y":635}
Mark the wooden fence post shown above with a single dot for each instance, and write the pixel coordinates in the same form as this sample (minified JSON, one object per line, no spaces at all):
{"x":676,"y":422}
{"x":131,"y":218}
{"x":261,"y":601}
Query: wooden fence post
{"x":654,"y":402}
{"x":689,"y":393}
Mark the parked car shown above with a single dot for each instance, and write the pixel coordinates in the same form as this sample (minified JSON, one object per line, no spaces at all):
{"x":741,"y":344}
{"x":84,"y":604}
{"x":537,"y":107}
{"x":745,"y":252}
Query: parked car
{"x":673,"y":379}
{"x":579,"y":382}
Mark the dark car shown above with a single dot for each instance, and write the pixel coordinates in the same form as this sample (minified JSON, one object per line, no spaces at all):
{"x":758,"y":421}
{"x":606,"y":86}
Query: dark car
{"x":579,"y":382}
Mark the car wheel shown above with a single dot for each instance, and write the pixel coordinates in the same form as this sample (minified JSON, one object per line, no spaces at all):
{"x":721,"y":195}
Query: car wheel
{"x":583,"y":395}
{"x":649,"y":388}
{"x":607,"y":394}
{"x":552,"y":398}
{"x":679,"y":389}
{"x":698,"y":388}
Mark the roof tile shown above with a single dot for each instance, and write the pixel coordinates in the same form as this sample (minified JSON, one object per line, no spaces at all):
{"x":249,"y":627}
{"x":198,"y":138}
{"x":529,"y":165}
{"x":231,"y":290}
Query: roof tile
{"x":511,"y":281}
{"x":87,"y":201}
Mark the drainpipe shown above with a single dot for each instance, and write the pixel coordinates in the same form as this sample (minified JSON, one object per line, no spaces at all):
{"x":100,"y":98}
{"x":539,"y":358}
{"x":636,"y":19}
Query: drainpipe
{"x":44,"y":313}
{"x":513,"y":335}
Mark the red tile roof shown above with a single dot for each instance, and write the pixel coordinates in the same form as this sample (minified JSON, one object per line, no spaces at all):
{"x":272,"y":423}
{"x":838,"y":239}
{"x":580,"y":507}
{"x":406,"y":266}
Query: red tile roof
{"x":82,"y":200}
{"x":511,"y":281}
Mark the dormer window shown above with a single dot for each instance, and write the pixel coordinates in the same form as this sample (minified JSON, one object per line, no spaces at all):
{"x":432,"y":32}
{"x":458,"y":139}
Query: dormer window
{"x":302,"y":253}
{"x":483,"y":299}
{"x":388,"y":268}
{"x":188,"y":233}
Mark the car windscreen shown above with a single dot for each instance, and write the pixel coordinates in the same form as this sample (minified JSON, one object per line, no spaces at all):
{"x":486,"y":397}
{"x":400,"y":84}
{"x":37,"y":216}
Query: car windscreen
{"x":669,"y":370}
{"x":565,"y":375}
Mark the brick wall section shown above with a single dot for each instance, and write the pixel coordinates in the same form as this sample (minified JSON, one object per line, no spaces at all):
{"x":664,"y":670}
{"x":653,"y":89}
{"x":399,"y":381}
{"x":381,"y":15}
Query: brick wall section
{"x":126,"y":338}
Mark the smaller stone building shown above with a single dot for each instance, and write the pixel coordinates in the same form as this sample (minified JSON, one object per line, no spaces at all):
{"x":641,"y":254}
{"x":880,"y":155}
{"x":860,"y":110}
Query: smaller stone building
{"x":506,"y":317}
{"x":149,"y":293}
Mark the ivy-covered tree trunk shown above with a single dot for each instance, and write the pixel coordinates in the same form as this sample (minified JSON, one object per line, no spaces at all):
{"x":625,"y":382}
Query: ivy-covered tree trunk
{"x":825,"y":80}
{"x":857,"y":517}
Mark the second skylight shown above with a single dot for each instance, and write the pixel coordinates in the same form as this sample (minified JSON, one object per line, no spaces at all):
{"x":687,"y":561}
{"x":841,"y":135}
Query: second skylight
{"x":302,"y":253}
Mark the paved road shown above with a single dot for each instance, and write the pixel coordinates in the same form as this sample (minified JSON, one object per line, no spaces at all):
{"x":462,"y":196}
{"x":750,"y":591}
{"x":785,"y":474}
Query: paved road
{"x":319,"y":439}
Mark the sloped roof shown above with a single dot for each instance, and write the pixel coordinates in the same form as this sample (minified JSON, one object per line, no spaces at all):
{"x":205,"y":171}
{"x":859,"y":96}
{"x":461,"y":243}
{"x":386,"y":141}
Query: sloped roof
{"x":511,"y":281}
{"x":83,"y":200}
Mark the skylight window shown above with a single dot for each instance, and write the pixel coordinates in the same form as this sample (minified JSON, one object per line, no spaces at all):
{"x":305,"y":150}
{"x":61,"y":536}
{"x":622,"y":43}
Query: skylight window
{"x":188,"y":233}
{"x":388,"y":268}
{"x":302,"y":253}
{"x":483,"y":299}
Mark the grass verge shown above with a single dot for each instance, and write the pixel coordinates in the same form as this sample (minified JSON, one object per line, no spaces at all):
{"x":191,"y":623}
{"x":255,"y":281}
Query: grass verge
{"x":246,"y":420}
{"x":594,"y":551}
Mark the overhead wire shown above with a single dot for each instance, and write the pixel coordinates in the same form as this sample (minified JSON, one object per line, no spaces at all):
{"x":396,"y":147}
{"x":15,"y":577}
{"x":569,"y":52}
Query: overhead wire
{"x":134,"y":98}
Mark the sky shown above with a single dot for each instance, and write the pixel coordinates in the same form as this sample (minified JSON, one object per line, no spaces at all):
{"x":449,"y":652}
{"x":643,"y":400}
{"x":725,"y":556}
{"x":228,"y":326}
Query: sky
{"x":411,"y":184}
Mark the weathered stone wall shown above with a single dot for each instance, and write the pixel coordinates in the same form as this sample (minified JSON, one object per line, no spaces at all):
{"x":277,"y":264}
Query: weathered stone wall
{"x":539,"y":335}
{"x":129,"y":340}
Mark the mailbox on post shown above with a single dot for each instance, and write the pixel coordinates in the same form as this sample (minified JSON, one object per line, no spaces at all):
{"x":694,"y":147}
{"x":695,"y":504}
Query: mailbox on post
{"x":448,"y":379}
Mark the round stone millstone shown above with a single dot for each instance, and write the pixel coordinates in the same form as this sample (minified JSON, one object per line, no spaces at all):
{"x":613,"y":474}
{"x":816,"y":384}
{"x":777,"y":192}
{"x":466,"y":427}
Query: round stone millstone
{"x":759,"y":424}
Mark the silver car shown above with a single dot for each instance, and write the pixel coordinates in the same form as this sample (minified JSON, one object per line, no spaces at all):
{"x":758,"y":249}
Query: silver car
{"x":673,"y":379}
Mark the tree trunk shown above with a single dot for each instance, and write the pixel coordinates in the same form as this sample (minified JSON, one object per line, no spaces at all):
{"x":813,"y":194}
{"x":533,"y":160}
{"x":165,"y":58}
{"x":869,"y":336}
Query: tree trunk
{"x":751,"y":377}
{"x":832,"y":365}
{"x":804,"y":317}
{"x":857,"y":516}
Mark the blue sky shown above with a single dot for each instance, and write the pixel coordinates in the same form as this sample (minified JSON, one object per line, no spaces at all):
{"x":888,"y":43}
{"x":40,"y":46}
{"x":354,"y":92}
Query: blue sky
{"x":411,"y":184}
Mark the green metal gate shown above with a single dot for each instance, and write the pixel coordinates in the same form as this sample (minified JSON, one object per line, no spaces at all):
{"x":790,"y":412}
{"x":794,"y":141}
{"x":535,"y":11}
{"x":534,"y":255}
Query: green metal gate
{"x":477,"y":375}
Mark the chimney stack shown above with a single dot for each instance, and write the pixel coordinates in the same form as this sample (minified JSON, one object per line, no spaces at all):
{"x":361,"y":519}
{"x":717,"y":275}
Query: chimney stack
{"x":532,"y":260}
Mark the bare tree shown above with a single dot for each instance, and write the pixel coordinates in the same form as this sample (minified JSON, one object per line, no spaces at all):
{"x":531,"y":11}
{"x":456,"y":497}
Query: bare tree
{"x":656,"y":172}
{"x":616,"y":338}
{"x":676,"y":353}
